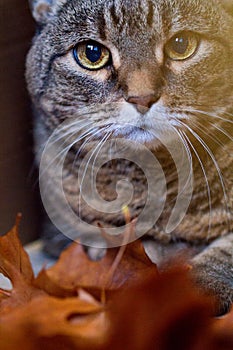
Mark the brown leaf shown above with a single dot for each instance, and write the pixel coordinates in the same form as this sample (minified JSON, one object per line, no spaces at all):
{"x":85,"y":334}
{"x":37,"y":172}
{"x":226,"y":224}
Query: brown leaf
{"x":164,"y":313}
{"x":221,"y":333}
{"x":74,"y":269}
{"x":13,"y":254}
{"x":73,"y":323}
{"x":148,"y":310}
{"x":15,"y":264}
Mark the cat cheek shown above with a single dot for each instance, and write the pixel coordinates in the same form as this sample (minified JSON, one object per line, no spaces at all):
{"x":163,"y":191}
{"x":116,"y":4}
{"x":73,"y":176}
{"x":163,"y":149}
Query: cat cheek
{"x":47,"y":105}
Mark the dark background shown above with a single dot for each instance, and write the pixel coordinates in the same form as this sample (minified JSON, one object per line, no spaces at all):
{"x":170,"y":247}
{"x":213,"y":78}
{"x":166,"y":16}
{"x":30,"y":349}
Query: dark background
{"x":18,"y":192}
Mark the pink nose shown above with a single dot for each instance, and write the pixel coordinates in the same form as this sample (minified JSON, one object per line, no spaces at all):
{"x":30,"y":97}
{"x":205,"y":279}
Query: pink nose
{"x":143,"y":103}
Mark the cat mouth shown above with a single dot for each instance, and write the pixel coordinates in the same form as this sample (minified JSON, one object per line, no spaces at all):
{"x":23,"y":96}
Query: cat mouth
{"x":134,"y":133}
{"x":138,"y":134}
{"x":145,"y":132}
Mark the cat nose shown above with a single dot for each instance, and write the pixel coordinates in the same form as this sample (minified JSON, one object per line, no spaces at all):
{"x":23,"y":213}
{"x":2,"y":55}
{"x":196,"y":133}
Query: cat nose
{"x":143,"y":103}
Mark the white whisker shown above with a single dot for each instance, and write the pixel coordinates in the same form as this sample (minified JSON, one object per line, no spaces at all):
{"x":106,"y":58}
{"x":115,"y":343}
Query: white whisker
{"x":219,"y":128}
{"x":205,"y":177}
{"x":207,"y":133}
{"x":210,"y":153}
{"x":223,"y":131}
{"x":96,"y":149}
{"x":65,"y":150}
{"x":92,"y":134}
{"x":208,"y":114}
{"x":73,"y":130}
{"x":103,"y":141}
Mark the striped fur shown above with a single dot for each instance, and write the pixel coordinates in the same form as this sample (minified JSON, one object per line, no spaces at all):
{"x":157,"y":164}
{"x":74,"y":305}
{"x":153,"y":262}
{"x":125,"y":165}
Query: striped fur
{"x":199,"y":88}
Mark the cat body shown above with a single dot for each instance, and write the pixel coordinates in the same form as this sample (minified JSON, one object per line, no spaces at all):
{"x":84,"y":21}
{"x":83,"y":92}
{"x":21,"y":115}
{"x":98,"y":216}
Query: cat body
{"x":152,"y":73}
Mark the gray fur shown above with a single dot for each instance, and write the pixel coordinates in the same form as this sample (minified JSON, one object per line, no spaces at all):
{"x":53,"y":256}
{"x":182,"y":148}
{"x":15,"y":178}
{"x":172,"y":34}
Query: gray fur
{"x":137,"y":31}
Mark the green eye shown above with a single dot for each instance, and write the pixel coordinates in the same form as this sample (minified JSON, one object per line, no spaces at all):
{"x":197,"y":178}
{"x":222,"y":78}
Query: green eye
{"x":91,"y":55}
{"x":182,"y":46}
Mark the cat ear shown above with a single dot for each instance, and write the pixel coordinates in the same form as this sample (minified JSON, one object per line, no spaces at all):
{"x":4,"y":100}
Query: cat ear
{"x":42,"y":10}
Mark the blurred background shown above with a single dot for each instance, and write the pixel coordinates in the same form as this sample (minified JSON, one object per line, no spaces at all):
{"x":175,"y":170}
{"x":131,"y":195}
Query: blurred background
{"x":18,"y":177}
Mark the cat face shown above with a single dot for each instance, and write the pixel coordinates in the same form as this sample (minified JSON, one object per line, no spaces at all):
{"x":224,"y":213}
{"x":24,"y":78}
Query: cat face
{"x":140,"y":69}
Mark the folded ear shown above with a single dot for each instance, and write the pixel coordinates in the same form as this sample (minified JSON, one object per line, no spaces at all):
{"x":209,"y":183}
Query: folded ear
{"x":42,"y":10}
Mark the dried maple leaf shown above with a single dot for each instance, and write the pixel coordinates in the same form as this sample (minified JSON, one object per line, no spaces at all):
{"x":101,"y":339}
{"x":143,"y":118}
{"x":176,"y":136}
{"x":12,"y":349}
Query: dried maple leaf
{"x":72,"y":323}
{"x":12,"y":252}
{"x":74,"y":269}
{"x":15,"y":265}
{"x":164,"y":313}
{"x":148,"y":310}
{"x":37,"y":319}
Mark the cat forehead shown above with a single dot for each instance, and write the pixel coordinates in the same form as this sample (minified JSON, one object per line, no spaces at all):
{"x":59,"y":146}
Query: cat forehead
{"x":137,"y":11}
{"x":141,"y":15}
{"x":138,"y":18}
{"x":138,"y":7}
{"x":124,"y":23}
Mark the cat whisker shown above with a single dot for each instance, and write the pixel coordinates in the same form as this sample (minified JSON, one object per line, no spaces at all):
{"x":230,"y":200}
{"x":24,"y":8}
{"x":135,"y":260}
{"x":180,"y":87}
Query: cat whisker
{"x":103,"y":141}
{"x":205,"y":177}
{"x":96,"y":149}
{"x":229,"y":114}
{"x":222,"y":131}
{"x":207,"y":133}
{"x":209,"y":114}
{"x":183,"y":140}
{"x":201,"y":106}
{"x":92,"y":134}
{"x":188,"y":153}
{"x":64,"y":151}
{"x":210,"y":153}
{"x":70,"y":133}
{"x":219,"y":128}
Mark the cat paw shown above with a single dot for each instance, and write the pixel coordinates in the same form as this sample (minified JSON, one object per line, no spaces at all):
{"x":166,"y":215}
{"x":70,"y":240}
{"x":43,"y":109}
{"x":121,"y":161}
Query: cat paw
{"x":213,"y":281}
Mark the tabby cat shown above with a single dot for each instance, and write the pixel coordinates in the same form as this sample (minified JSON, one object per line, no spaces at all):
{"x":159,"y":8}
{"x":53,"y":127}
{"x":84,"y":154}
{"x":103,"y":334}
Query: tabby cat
{"x":164,"y":66}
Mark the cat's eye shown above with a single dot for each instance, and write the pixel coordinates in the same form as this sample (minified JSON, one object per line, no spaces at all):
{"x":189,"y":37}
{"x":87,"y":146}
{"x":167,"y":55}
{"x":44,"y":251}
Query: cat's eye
{"x":182,"y":46}
{"x":91,"y":55}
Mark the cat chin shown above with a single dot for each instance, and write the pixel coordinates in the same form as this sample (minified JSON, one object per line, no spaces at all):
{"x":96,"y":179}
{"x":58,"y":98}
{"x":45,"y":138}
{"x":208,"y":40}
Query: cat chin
{"x":153,"y":139}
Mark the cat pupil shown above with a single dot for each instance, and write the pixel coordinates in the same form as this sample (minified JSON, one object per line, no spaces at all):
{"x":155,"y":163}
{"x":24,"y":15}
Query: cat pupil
{"x":180,"y":44}
{"x":93,"y":52}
